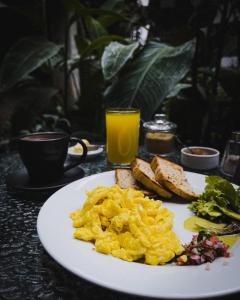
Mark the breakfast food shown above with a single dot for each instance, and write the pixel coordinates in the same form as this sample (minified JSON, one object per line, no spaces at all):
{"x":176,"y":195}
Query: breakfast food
{"x":162,"y":178}
{"x":125,"y":179}
{"x":220,"y":200}
{"x":172,"y":177}
{"x":143,"y":173}
{"x":203,"y":248}
{"x":78,"y":147}
{"x":200,"y":151}
{"x":127,"y":225}
{"x":159,"y":142}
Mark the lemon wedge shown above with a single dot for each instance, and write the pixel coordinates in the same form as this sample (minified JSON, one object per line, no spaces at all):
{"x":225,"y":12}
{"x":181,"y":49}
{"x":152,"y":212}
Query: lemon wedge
{"x":78,"y":147}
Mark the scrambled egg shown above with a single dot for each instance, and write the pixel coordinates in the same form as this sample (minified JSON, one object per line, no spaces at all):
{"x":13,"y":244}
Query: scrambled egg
{"x":127,"y":225}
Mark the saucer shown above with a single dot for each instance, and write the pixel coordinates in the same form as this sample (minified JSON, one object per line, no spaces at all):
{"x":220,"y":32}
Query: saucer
{"x":90,"y":154}
{"x":20,"y":181}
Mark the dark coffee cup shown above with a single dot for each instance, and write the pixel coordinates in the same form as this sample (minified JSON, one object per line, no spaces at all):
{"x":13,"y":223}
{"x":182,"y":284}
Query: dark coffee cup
{"x":44,"y":155}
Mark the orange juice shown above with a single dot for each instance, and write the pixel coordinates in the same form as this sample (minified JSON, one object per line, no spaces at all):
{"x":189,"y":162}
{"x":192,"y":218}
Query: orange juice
{"x":122,"y":127}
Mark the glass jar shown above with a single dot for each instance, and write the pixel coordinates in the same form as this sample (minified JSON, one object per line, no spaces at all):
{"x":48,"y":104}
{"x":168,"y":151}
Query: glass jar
{"x":231,"y":158}
{"x":160,"y":136}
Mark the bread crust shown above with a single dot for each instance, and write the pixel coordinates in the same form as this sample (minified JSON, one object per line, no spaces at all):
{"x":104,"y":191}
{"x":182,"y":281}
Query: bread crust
{"x":172,"y":176}
{"x":147,"y":180}
{"x":130,"y":182}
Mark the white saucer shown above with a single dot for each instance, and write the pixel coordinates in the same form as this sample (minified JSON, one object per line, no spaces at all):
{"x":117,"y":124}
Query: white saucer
{"x":91,"y":153}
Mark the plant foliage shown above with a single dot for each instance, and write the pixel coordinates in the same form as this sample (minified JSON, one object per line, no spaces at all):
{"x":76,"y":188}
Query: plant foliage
{"x":150,"y":77}
{"x":24,"y":57}
{"x":115,"y":57}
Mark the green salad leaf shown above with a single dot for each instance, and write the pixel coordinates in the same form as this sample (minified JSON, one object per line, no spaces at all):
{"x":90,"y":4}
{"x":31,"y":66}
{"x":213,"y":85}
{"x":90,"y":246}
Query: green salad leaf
{"x":219,"y":200}
{"x":229,"y":192}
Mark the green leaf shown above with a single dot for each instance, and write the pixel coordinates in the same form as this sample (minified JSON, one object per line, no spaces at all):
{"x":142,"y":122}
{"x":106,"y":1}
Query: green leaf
{"x":95,"y":28}
{"x":177,"y":89}
{"x":24,"y":57}
{"x":108,"y":20}
{"x":106,"y":15}
{"x":95,"y":45}
{"x":150,"y":77}
{"x":219,"y":198}
{"x":115,"y":57}
{"x":204,"y":208}
{"x":82,"y":43}
{"x":226,"y":188}
{"x":100,"y":42}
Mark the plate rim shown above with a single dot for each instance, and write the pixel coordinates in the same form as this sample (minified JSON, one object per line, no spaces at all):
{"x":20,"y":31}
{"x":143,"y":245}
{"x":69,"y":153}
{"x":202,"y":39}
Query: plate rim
{"x":108,"y":285}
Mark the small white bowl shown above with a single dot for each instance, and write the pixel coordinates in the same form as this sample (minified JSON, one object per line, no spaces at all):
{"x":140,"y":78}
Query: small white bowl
{"x":200,"y":162}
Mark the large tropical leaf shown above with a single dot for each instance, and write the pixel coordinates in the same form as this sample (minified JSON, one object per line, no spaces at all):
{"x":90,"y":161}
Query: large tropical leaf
{"x":176,"y":90}
{"x":106,"y":15}
{"x":100,"y":42}
{"x":115,"y":57}
{"x":150,"y":77}
{"x":113,"y":5}
{"x":24,"y":57}
{"x":95,"y":28}
{"x":97,"y":44}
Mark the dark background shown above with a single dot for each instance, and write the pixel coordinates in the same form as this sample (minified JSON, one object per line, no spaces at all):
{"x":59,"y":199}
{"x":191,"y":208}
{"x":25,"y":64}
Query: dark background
{"x":206,"y":112}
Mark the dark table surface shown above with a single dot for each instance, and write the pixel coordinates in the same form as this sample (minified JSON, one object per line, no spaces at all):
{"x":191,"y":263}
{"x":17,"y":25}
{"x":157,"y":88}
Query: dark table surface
{"x":26,"y":269}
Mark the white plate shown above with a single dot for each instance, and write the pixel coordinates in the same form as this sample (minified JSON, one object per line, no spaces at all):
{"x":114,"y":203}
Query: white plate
{"x":91,"y":153}
{"x":56,"y":234}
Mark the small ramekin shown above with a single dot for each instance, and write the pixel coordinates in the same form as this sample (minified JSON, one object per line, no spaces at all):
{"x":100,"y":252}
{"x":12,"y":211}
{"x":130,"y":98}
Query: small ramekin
{"x":200,"y":162}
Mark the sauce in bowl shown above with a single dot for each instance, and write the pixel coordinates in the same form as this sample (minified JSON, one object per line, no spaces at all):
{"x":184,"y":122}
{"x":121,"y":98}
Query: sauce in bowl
{"x":200,"y":158}
{"x":201,"y":151}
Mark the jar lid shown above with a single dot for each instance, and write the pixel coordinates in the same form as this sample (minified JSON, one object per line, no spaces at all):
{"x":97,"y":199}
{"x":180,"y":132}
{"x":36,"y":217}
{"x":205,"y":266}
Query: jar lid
{"x":158,"y":117}
{"x":160,"y":125}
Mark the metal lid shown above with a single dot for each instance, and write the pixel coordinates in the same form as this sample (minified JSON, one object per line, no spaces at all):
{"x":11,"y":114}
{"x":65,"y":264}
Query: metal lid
{"x":236,"y":136}
{"x":158,"y":117}
{"x":160,"y":125}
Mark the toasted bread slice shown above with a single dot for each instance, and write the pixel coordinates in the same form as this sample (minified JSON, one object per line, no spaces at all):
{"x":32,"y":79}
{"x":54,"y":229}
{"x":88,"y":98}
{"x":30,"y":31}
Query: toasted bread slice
{"x":172,"y":177}
{"x":143,"y":173}
{"x":125,"y":179}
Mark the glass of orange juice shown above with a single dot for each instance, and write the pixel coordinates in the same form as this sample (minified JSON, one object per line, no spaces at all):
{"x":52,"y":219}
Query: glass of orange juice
{"x":122,"y":128}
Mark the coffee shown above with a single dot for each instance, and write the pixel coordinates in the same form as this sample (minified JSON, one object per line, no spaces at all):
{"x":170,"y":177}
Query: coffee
{"x":44,"y":155}
{"x":42,"y":137}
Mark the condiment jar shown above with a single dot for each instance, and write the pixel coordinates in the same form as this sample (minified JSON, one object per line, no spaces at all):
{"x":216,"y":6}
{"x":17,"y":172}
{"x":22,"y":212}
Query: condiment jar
{"x":160,"y":117}
{"x":159,"y":135}
{"x":230,"y":164}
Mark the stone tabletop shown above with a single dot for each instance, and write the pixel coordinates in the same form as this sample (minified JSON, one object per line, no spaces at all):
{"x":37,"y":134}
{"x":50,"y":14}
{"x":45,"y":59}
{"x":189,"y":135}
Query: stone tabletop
{"x":26,"y":270}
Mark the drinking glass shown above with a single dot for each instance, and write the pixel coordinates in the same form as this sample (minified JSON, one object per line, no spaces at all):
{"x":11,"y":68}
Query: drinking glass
{"x":122,"y":128}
